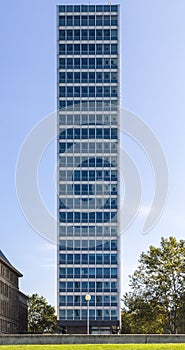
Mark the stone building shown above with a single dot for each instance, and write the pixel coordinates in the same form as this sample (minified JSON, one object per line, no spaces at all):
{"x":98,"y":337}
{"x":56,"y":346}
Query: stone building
{"x":13,"y":303}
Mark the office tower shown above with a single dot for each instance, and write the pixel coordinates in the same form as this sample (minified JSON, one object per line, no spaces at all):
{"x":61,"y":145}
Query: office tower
{"x":88,"y":168}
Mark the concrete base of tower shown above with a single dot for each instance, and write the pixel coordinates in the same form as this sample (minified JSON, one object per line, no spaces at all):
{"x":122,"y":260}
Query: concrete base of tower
{"x":95,"y":327}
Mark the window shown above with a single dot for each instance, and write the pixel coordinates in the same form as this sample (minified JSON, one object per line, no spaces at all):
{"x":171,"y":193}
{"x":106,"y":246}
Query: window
{"x":99,"y":21}
{"x":106,"y":63}
{"x":91,"y":258}
{"x":77,"y":49}
{"x":98,"y":34}
{"x":84,"y":34}
{"x":84,"y":91}
{"x":99,"y":49}
{"x":62,"y":314}
{"x":91,"y":272}
{"x":98,"y":94}
{"x":99,"y":259}
{"x":69,"y":8}
{"x":114,"y":77}
{"x":84,"y":8}
{"x":69,"y":20}
{"x":98,"y":8}
{"x":62,"y":21}
{"x":61,"y":34}
{"x":69,"y":91}
{"x":69,"y":314}
{"x":84,"y":63}
{"x":84,"y":313}
{"x":76,"y":34}
{"x":76,"y":272}
{"x":84,"y":289}
{"x":99,"y":300}
{"x":113,"y":245}
{"x":77,"y":313}
{"x":69,"y":75}
{"x":84,"y":49}
{"x":84,"y":258}
{"x":84,"y":21}
{"x":62,"y":286}
{"x":114,"y":8}
{"x":106,"y":8}
{"x":91,"y":286}
{"x":62,"y":300}
{"x":106,"y":259}
{"x":69,"y":286}
{"x":114,"y":92}
{"x":92,"y":314}
{"x":69,"y":49}
{"x":69,"y":63}
{"x":92,"y":63}
{"x":91,"y":8}
{"x":61,"y":63}
{"x":106,"y":315}
{"x":61,"y":8}
{"x":76,"y":8}
{"x":113,"y":314}
{"x":114,"y":34}
{"x":106,"y":49}
{"x":114,"y":63}
{"x":106,"y":20}
{"x":76,"y":77}
{"x":69,"y":35}
{"x":106,"y":34}
{"x":61,"y":49}
{"x":114,"y":49}
{"x":69,"y":259}
{"x":76,"y":20}
{"x":98,"y":314}
{"x":91,"y":77}
{"x":77,"y":63}
{"x":114,"y":20}
{"x":61,"y":77}
{"x":62,"y":258}
{"x":107,"y":91}
{"x":106,"y":300}
{"x":92,"y":21}
{"x":91,"y":49}
{"x":106,"y":77}
{"x":99,"y":63}
{"x":91,"y":34}
{"x":62,"y":91}
{"x":77,"y":91}
{"x":77,"y":245}
{"x":91,"y":91}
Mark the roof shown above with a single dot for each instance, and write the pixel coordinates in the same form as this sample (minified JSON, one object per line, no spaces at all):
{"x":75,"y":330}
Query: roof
{"x":4,"y":257}
{"x":6,"y":261}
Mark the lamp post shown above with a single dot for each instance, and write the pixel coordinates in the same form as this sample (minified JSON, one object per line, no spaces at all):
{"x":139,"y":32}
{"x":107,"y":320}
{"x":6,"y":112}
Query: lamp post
{"x":88,"y":298}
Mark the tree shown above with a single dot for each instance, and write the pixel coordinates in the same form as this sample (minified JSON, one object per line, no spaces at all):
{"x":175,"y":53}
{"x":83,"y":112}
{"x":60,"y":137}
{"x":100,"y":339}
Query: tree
{"x":156,"y":302}
{"x":41,"y":315}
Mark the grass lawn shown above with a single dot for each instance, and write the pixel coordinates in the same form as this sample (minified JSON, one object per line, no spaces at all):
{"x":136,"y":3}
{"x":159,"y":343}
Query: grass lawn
{"x":96,"y":347}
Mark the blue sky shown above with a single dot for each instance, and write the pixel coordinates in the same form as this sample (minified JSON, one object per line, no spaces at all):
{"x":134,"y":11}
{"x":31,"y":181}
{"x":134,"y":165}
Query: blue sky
{"x":153,"y":87}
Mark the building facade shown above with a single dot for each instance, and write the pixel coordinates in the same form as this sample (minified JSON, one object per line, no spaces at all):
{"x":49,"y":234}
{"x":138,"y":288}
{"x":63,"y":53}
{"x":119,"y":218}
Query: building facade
{"x":88,"y":167}
{"x":13,"y":303}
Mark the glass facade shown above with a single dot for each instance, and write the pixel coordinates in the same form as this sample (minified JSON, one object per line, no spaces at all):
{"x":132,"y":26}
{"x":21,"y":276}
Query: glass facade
{"x":88,"y":164}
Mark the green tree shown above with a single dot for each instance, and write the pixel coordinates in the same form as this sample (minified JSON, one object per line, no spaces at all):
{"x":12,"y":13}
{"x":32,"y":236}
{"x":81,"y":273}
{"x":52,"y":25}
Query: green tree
{"x":41,"y":315}
{"x":156,"y":302}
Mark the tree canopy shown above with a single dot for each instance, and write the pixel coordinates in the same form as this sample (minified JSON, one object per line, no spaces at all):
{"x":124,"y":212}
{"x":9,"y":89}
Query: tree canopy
{"x":156,"y":302}
{"x":41,"y":315}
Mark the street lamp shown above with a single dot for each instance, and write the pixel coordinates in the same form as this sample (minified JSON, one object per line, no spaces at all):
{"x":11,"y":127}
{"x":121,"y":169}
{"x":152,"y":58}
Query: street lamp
{"x":88,"y":298}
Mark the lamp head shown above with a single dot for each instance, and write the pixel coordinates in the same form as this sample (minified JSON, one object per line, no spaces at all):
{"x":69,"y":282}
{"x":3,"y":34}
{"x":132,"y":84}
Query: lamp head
{"x":87,"y":297}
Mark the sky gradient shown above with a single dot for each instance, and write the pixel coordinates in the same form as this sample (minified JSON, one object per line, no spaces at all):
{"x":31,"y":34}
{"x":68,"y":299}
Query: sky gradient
{"x":153,"y":87}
